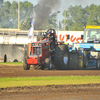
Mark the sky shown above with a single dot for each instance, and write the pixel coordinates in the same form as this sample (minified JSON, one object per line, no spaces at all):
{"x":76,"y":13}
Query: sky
{"x":62,"y":7}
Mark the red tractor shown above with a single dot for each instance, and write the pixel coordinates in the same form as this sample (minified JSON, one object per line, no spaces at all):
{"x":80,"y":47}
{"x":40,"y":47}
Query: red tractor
{"x":41,"y":56}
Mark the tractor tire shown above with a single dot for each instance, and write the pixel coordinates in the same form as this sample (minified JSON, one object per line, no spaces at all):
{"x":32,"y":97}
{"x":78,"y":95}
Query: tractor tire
{"x":25,"y":65}
{"x":38,"y":67}
{"x":85,"y":63}
{"x":80,"y":60}
{"x":98,"y":64}
{"x":61,"y":57}
{"x":48,"y":64}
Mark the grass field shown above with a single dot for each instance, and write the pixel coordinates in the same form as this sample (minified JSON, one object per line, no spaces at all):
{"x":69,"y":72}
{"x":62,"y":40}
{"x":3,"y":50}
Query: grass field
{"x":11,"y":63}
{"x":41,"y":81}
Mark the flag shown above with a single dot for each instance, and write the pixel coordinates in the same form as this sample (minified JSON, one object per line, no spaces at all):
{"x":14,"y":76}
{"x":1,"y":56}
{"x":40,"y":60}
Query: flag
{"x":30,"y":32}
{"x":32,"y":22}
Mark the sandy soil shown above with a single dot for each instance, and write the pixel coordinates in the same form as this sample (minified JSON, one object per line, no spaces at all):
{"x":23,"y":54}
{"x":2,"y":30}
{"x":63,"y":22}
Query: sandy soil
{"x":50,"y":92}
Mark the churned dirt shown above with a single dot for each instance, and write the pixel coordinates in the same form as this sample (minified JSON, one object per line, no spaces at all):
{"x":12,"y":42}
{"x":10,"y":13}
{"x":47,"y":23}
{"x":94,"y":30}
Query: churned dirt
{"x":49,"y":92}
{"x":18,"y":71}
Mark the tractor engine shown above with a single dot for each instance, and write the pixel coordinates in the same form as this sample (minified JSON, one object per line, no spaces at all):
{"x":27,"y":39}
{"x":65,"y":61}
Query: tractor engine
{"x":37,"y":53}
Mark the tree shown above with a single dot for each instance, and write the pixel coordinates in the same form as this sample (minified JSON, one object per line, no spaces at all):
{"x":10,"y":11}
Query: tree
{"x":1,"y":3}
{"x":75,"y":18}
{"x":52,"y":21}
{"x":14,"y":14}
{"x":9,"y":16}
{"x":5,"y":15}
{"x":93,"y":14}
{"x":26,"y":24}
{"x":26,"y":15}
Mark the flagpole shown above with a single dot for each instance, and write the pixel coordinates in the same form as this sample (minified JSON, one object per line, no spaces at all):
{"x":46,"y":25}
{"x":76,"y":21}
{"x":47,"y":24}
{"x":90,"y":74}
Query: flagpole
{"x":33,"y":25}
{"x":33,"y":18}
{"x":18,"y":14}
{"x":65,"y":16}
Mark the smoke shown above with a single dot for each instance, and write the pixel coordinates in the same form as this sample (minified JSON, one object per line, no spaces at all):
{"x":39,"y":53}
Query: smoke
{"x":52,"y":4}
{"x":43,"y":11}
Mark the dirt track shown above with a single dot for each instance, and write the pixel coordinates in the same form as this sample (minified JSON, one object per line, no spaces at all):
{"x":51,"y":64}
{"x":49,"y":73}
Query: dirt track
{"x":51,"y":92}
{"x":17,"y":71}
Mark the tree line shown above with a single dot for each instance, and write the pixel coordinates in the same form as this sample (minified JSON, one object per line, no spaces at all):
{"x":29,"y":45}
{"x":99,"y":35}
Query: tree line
{"x":9,"y":15}
{"x":76,"y":16}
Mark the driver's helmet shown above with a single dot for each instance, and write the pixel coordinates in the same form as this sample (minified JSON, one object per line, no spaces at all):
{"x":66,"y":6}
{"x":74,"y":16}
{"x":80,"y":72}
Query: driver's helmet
{"x":49,"y":32}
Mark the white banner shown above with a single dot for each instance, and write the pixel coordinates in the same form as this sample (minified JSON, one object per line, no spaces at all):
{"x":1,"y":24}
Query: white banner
{"x":75,"y":36}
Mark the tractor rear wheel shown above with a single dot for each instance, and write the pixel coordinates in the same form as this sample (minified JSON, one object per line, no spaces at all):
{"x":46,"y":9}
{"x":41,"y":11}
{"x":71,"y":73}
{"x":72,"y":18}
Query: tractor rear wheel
{"x":48,"y":64}
{"x":25,"y":65}
{"x":81,"y":61}
{"x":98,"y":64}
{"x":61,"y":57}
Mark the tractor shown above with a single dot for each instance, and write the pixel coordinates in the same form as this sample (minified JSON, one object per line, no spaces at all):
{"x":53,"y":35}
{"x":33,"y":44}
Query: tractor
{"x":86,"y":55}
{"x":41,"y":56}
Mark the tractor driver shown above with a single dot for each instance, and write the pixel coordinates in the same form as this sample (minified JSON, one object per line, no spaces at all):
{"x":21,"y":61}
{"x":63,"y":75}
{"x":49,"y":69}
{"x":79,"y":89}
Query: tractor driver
{"x":44,"y":36}
{"x":52,"y":39}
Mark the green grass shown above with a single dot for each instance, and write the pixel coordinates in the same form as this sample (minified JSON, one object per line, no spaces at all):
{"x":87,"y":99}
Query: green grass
{"x":41,"y":81}
{"x":11,"y":63}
